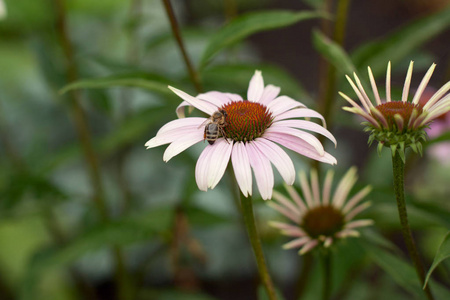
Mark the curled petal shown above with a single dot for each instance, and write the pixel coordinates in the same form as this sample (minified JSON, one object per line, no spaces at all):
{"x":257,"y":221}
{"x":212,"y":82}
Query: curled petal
{"x":241,"y":167}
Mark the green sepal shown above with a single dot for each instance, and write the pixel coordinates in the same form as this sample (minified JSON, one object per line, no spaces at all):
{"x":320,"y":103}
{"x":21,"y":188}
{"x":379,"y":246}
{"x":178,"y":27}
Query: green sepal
{"x":379,"y":148}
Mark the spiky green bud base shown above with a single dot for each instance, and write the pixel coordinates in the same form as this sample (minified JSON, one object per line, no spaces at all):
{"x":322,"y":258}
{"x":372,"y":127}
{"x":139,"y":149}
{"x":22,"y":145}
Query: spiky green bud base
{"x":397,"y":141}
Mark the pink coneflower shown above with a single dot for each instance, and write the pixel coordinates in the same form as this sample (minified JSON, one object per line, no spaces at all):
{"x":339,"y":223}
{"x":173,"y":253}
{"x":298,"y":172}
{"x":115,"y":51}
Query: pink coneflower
{"x":254,"y":129}
{"x":319,"y":220}
{"x":398,"y":124}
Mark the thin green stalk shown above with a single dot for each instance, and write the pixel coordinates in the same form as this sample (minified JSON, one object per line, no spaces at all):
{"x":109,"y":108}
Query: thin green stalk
{"x":81,"y":125}
{"x":305,"y":273}
{"x":326,"y":263}
{"x":195,"y":78}
{"x":249,"y":219}
{"x":399,"y":175}
{"x":327,"y":72}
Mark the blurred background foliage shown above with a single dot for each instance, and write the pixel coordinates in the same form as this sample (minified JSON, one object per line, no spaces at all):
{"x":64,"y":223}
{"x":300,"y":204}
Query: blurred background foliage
{"x":87,"y":213}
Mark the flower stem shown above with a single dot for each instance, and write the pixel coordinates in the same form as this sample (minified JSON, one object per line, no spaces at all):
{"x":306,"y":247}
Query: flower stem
{"x":399,"y":175}
{"x":326,"y":262}
{"x":93,"y":165}
{"x":249,"y":219}
{"x":195,"y":78}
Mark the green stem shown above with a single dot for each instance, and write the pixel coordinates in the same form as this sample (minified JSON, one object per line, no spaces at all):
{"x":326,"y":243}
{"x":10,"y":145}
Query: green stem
{"x":399,"y":175}
{"x":326,"y":262}
{"x":327,"y":72}
{"x":81,"y":125}
{"x":195,"y":78}
{"x":305,"y":274}
{"x":249,"y":219}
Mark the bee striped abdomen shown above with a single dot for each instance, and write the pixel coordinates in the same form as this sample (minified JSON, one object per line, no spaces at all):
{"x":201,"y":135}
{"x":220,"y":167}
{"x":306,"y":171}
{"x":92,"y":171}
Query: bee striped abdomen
{"x":211,"y":133}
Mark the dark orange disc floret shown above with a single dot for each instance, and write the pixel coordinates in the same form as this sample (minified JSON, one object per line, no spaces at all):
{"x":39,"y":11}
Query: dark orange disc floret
{"x":323,"y":220}
{"x":404,"y":109}
{"x":246,"y":120}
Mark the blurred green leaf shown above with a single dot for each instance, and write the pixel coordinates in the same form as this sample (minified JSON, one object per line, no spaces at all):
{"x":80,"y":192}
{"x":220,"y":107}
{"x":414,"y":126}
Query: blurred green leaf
{"x":130,"y":131}
{"x":128,"y":230}
{"x":17,"y":185}
{"x":442,"y":138}
{"x":249,"y":23}
{"x":402,"y":273}
{"x":400,"y":43}
{"x":237,"y":77}
{"x":386,"y":216}
{"x":333,"y":53}
{"x":148,"y":81}
{"x":442,"y":253}
{"x":202,"y":218}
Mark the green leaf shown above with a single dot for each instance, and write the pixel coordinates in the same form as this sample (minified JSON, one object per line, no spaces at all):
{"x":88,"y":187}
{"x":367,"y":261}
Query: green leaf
{"x":146,"y":81}
{"x":130,"y":131}
{"x":442,"y":253}
{"x":247,"y":24}
{"x":442,"y":138}
{"x":400,"y":43}
{"x":400,"y":271}
{"x":121,"y":232}
{"x":203,"y":218}
{"x":333,"y":53}
{"x":237,"y":77}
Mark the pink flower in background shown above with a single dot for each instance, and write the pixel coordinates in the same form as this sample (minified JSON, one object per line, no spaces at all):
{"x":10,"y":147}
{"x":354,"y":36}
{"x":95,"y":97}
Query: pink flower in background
{"x":254,"y":129}
{"x":441,"y":125}
{"x":398,"y":123}
{"x":320,"y":219}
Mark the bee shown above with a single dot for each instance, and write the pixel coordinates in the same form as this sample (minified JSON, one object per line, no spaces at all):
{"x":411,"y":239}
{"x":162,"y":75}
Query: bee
{"x":214,"y":126}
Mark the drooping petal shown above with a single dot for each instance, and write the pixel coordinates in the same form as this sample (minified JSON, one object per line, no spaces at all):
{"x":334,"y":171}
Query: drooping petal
{"x":296,"y":197}
{"x":278,"y":158}
{"x":282,"y":104}
{"x":220,"y":157}
{"x":315,"y":187}
{"x":358,"y":223}
{"x":216,"y":98}
{"x":284,"y":211}
{"x":327,"y":187}
{"x":256,"y":87}
{"x":305,"y":136}
{"x":299,"y":113}
{"x":307,"y":125}
{"x":306,"y":189}
{"x":270,"y":93}
{"x":308,"y":247}
{"x":241,"y":167}
{"x":174,"y":130}
{"x":287,"y":203}
{"x":298,"y":145}
{"x":438,"y":95}
{"x":204,"y":106}
{"x":262,"y":170}
{"x":344,"y":187}
{"x":201,"y":168}
{"x":181,"y":144}
{"x":297,"y":242}
{"x":356,"y":199}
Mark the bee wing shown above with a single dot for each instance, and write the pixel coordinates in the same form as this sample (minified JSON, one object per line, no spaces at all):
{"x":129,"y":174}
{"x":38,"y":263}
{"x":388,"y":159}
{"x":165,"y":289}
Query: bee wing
{"x":204,"y":123}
